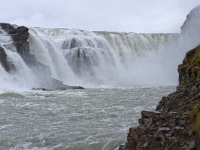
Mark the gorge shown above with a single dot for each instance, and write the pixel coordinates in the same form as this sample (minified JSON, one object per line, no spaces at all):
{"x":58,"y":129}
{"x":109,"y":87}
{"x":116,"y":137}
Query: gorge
{"x":76,"y":89}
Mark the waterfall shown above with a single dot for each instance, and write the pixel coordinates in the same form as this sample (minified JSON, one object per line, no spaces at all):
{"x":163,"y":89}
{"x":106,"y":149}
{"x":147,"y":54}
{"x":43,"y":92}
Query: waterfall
{"x":95,"y":59}
{"x":47,"y":52}
{"x":92,"y":59}
{"x":22,"y":77}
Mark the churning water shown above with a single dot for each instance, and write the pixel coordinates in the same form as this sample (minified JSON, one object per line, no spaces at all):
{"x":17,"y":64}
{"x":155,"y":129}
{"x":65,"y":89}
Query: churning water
{"x":92,"y":119}
{"x":89,"y":119}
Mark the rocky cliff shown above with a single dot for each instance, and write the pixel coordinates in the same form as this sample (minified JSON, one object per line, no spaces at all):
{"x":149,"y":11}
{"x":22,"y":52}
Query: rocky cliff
{"x":175,"y":125}
{"x":187,"y":93}
{"x":171,"y":127}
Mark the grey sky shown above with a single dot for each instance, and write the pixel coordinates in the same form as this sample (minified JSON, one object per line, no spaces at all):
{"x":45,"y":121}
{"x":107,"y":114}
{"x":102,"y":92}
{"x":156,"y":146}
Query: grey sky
{"x":110,"y":15}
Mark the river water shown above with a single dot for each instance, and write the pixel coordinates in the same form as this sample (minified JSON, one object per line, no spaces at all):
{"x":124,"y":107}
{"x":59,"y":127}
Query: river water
{"x":92,"y":119}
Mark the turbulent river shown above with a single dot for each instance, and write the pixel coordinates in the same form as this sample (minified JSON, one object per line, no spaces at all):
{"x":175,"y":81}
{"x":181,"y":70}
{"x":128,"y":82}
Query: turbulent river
{"x":95,"y":118}
{"x":92,"y":119}
{"x":98,"y":117}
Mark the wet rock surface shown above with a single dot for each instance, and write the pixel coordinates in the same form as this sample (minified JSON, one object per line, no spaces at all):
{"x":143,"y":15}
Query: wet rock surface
{"x":188,"y":90}
{"x":171,"y":127}
{"x":160,"y":131}
{"x":175,"y":125}
{"x":20,"y":37}
{"x":62,"y":88}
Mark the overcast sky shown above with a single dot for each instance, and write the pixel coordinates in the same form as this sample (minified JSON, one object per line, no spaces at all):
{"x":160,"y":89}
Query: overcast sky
{"x":110,"y":15}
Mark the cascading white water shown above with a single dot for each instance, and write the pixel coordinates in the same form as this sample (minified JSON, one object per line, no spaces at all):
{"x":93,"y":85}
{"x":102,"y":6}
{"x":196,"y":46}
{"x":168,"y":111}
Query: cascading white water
{"x":48,"y":53}
{"x":97,"y":59}
{"x":108,"y":59}
{"x":89,"y":56}
{"x":23,"y":77}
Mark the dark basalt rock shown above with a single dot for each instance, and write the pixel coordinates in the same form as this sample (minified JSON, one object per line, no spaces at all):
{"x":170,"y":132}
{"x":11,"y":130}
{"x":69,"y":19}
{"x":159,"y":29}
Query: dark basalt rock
{"x":171,"y":127}
{"x":8,"y":66}
{"x":20,"y":37}
{"x":19,"y":34}
{"x":176,"y":124}
{"x":187,"y":93}
{"x":6,"y":27}
{"x":65,"y":87}
{"x":160,"y":131}
{"x":41,"y":89}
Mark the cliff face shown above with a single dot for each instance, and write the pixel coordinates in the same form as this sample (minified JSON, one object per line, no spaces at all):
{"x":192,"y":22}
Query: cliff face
{"x":176,"y":123}
{"x":171,"y":127}
{"x":187,"y":93}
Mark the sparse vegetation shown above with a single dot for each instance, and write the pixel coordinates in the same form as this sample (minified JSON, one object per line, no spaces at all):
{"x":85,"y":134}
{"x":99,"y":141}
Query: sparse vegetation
{"x":192,"y":63}
{"x":194,"y":114}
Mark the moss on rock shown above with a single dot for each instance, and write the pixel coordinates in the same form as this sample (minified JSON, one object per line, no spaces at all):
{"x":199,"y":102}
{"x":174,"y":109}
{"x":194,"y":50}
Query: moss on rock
{"x":194,"y":114}
{"x":192,"y":64}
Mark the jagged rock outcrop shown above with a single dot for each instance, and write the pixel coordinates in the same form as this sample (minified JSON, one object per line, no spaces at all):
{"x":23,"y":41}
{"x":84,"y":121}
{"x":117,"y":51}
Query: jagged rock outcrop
{"x":187,"y":93}
{"x":161,"y":131}
{"x":176,"y":123}
{"x":171,"y":127}
{"x":20,"y":37}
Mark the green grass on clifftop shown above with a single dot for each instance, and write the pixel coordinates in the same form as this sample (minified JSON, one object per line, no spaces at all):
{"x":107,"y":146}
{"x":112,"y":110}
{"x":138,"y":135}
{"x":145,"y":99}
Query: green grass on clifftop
{"x":192,"y":61}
